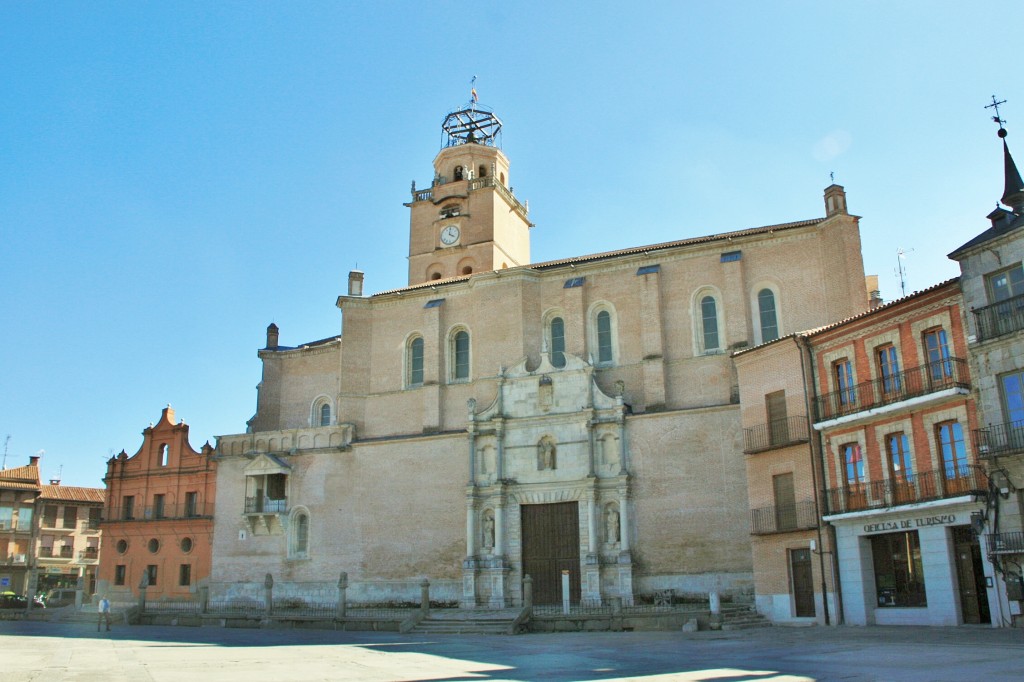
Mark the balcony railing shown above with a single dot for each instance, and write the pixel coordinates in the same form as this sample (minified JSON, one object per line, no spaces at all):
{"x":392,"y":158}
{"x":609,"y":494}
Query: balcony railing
{"x":88,"y":525}
{"x":910,"y":383}
{"x":169,"y":512}
{"x":1000,"y":439}
{"x":783,"y":518}
{"x":967,"y":479}
{"x":1006,"y":543}
{"x":67,"y":552}
{"x":45,"y":552}
{"x":265,"y":505}
{"x":1000,"y":318}
{"x":17,"y":526}
{"x":777,"y":433}
{"x":14,"y":560}
{"x":89,"y":554}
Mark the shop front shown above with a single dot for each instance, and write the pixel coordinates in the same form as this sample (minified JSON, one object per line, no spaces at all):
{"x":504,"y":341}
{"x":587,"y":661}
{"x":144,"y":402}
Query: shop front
{"x":917,"y":564}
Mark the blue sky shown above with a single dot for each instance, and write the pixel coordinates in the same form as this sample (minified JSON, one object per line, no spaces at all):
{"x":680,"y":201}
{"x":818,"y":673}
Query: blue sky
{"x":175,"y":176}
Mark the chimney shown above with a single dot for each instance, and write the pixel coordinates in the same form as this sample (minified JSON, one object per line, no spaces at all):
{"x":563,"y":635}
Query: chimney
{"x":355,"y":283}
{"x":33,"y":461}
{"x":272,"y":335}
{"x":835,"y":201}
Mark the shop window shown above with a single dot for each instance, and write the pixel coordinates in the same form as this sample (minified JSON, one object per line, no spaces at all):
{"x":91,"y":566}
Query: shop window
{"x":899,"y":572}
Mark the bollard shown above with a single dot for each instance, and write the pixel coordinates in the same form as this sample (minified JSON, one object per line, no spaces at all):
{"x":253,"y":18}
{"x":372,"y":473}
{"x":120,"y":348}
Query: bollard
{"x":342,"y":589}
{"x":204,"y":598}
{"x":425,"y":597}
{"x":565,"y":592}
{"x":527,"y":591}
{"x":268,"y":588}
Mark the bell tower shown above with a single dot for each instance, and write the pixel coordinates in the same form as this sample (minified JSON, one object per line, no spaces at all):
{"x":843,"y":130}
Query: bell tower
{"x":468,"y":221}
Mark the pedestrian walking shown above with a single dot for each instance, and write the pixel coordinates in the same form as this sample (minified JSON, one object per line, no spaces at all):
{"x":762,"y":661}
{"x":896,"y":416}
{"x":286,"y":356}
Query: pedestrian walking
{"x":104,"y":614}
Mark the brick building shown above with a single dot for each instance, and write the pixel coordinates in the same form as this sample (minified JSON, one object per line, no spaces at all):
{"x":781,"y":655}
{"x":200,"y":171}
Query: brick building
{"x":69,"y":536}
{"x":496,"y":417}
{"x":19,"y":488}
{"x":158,"y":520}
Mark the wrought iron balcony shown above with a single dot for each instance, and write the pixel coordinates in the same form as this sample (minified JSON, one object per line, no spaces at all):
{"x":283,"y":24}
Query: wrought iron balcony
{"x":997,"y":440}
{"x":67,"y":552}
{"x":89,"y":554}
{"x":14,"y":560}
{"x":783,"y":518}
{"x":1006,"y":543}
{"x":265,"y":505}
{"x":89,"y":525}
{"x":777,"y":433}
{"x":1000,"y":318}
{"x":910,"y":383}
{"x":937,"y":484}
{"x":45,"y":552}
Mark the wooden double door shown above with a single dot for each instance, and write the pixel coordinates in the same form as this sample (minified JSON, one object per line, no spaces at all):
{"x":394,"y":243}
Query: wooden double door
{"x":551,"y":544}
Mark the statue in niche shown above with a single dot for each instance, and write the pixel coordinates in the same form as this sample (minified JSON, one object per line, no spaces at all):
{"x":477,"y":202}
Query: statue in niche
{"x":611,"y":523}
{"x":545,"y":454}
{"x":488,"y":531}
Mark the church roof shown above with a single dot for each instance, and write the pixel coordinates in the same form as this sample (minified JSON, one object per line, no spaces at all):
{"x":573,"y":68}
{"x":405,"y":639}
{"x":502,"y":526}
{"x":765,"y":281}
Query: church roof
{"x":721,"y":236}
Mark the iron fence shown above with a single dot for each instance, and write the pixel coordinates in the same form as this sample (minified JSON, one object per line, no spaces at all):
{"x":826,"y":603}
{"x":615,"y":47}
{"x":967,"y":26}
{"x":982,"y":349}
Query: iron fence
{"x":165,"y":512}
{"x":777,"y":433}
{"x":1000,"y":318}
{"x":996,"y":440}
{"x":1006,"y":543}
{"x":783,"y":518}
{"x":265,"y":505}
{"x":920,"y":487}
{"x":894,"y":388}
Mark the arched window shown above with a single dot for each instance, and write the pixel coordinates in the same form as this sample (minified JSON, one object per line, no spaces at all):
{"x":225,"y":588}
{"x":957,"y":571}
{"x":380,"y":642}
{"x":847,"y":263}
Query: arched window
{"x":768,"y":318}
{"x":320,"y":413}
{"x":435,"y":275}
{"x":604,"y":337}
{"x":162,"y":460}
{"x":460,"y":356}
{"x":458,"y":172}
{"x":482,"y":171}
{"x":557,"y":331}
{"x":709,"y":323}
{"x":299,"y":545}
{"x":414,"y":362}
{"x":325,"y":415}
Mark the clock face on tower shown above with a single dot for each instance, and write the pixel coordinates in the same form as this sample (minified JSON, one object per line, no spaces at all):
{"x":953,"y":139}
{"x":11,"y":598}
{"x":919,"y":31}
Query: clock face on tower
{"x":450,"y":235}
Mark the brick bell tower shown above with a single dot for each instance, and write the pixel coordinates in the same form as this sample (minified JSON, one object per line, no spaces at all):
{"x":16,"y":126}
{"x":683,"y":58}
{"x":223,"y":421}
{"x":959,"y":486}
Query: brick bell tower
{"x":468,"y":221}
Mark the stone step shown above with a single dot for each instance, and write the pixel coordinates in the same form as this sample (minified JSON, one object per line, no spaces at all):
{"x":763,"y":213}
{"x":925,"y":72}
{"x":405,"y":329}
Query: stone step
{"x":464,"y":626}
{"x":743,"y":618}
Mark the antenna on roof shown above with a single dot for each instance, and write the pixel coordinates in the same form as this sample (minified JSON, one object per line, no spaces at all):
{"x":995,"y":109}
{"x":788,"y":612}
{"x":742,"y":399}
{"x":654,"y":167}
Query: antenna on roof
{"x":6,"y":441}
{"x":901,"y":270}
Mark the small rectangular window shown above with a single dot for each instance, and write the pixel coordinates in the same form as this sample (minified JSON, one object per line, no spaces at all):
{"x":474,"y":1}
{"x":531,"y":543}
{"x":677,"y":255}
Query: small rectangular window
{"x":185,"y":575}
{"x":648,"y":269}
{"x":128,"y":507}
{"x":731,"y":256}
{"x":70,"y":516}
{"x":119,"y":574}
{"x":190,"y":504}
{"x":433,"y":303}
{"x":158,"y":506}
{"x":574,"y":282}
{"x":151,"y":574}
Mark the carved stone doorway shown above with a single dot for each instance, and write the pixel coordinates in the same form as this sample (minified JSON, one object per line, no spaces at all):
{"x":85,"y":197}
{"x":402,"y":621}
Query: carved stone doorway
{"x":551,"y":544}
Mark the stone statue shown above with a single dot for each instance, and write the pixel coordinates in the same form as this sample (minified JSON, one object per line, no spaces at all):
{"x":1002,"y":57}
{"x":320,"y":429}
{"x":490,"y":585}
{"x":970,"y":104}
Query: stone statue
{"x":488,"y":531}
{"x":545,"y":455}
{"x":612,"y":525}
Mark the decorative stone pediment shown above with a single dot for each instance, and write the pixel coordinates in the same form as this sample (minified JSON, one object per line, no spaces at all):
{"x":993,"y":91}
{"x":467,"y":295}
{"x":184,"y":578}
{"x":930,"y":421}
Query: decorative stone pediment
{"x":266,"y":464}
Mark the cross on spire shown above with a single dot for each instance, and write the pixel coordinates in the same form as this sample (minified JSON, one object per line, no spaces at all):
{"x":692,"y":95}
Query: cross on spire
{"x":995,"y":105}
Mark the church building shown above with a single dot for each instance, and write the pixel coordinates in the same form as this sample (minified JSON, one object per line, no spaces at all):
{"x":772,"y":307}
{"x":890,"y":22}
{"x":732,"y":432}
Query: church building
{"x":496,"y":417}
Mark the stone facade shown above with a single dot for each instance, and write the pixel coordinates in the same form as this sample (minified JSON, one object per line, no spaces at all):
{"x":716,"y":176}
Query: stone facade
{"x":455,"y":412}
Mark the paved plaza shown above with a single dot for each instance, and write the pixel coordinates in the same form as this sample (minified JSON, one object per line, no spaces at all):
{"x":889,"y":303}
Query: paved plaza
{"x":31,"y":651}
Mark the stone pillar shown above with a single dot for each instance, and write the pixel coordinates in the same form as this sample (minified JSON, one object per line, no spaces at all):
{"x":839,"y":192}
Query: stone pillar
{"x":204,"y":598}
{"x":625,"y":556}
{"x":342,"y":594}
{"x":623,"y":521}
{"x":425,"y":597}
{"x":268,"y":593}
{"x":528,"y":592}
{"x":590,"y":439}
{"x":471,"y":409}
{"x":623,"y":466}
{"x":471,"y":530}
{"x":591,"y":578}
{"x":499,"y":432}
{"x":499,"y":527}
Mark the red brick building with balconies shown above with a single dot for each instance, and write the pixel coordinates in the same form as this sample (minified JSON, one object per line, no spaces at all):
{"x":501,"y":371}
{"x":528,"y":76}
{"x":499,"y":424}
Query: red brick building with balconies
{"x":158,"y":519}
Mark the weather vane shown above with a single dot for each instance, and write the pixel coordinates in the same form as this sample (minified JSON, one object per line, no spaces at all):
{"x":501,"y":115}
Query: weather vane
{"x":995,"y":105}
